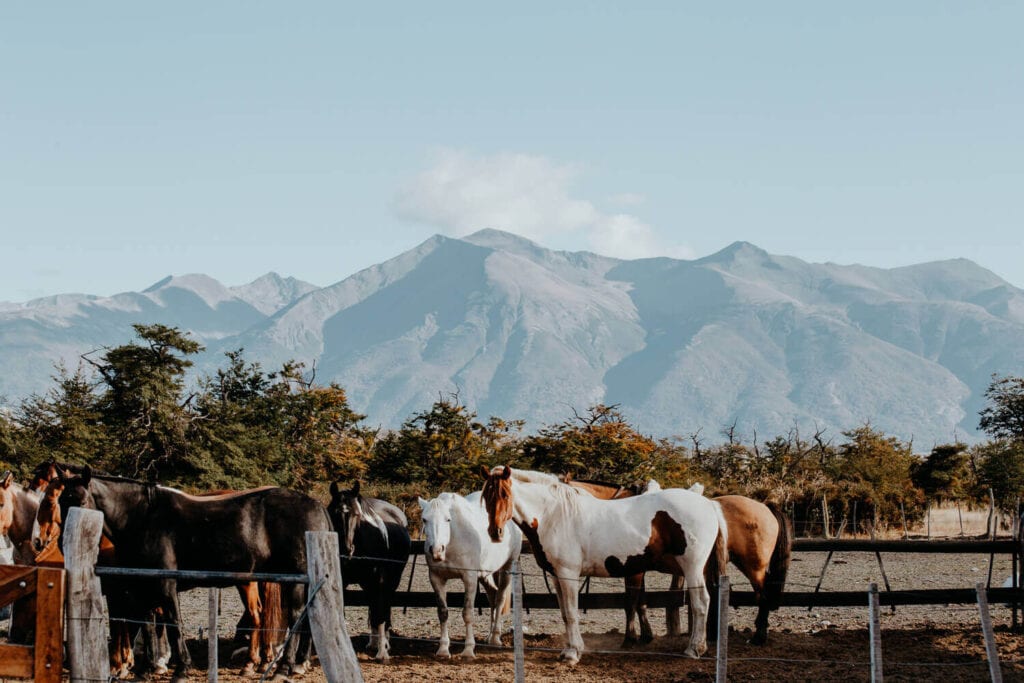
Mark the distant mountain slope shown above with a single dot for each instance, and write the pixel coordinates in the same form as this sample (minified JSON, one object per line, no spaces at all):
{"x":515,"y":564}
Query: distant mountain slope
{"x":525,"y":332}
{"x":36,"y":335}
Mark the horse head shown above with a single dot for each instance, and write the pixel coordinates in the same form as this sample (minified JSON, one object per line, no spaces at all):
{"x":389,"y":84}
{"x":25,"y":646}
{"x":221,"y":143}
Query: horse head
{"x":6,"y":503}
{"x":74,"y":491}
{"x":497,"y":496}
{"x":346,"y":512}
{"x":43,"y":474}
{"x":48,"y":516}
{"x":437,"y":525}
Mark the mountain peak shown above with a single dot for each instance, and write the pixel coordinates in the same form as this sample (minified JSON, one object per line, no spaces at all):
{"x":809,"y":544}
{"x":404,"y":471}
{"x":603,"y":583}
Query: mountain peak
{"x":270,"y":292}
{"x":505,"y":241}
{"x":737,"y":251}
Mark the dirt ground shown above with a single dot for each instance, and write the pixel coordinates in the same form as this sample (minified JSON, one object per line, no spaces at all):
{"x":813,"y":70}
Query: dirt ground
{"x":817,"y":645}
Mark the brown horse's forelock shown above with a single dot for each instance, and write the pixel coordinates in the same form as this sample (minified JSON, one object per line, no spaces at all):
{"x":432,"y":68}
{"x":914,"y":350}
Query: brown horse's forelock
{"x":502,"y":507}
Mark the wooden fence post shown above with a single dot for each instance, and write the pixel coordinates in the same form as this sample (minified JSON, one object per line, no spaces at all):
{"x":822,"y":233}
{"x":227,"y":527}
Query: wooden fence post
{"x":994,"y":670}
{"x":87,"y":611}
{"x":874,"y":631}
{"x":211,"y":637}
{"x":722,"y":649}
{"x":517,"y":623}
{"x":327,"y":610}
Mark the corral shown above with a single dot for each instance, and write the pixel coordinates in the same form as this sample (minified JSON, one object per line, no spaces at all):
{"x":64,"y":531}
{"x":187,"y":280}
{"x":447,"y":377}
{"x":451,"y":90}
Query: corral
{"x":935,"y":630}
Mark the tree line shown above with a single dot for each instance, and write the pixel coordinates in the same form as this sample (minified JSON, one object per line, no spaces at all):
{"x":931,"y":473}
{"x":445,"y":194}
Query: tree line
{"x":129,"y":411}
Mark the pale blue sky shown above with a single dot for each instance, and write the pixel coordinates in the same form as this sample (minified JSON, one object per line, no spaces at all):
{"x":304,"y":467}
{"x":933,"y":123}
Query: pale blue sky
{"x":313,"y":139}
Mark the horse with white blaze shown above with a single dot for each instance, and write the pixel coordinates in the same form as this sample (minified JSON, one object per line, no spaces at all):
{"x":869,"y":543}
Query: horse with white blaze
{"x":457,"y":547}
{"x":574,"y":534}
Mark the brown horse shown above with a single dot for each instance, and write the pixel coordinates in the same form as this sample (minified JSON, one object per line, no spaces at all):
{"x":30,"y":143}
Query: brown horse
{"x":760,"y":544}
{"x":262,"y":617}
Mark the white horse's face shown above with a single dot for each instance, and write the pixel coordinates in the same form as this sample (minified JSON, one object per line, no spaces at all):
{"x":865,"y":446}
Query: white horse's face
{"x":437,"y":527}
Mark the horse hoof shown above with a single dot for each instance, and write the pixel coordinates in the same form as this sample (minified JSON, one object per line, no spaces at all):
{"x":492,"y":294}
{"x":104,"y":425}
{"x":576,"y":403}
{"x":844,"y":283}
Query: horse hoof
{"x":300,"y":669}
{"x":467,"y":654}
{"x":570,"y":657}
{"x":248,"y":670}
{"x":628,"y":643}
{"x":443,"y":654}
{"x":759,"y":639}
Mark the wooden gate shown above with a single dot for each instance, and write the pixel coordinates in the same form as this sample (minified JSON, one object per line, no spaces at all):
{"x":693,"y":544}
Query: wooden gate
{"x":38,"y":597}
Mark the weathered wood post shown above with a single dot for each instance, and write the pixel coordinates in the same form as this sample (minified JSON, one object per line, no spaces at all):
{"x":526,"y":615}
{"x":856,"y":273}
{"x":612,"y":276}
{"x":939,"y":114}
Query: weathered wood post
{"x":87,"y":611}
{"x":994,"y":670}
{"x":517,"y":623}
{"x":722,"y":651}
{"x":875,"y":633}
{"x":211,"y":637}
{"x":327,"y":610}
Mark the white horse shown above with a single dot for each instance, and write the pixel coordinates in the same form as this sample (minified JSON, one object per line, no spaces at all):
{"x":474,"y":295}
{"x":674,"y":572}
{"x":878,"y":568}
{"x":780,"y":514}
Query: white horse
{"x":457,"y":547}
{"x":574,"y":534}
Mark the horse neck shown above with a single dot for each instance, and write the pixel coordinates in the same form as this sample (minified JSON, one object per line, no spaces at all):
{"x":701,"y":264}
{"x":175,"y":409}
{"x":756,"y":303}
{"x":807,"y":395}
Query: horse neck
{"x":124,"y":505}
{"x":26,"y":504}
{"x":536,"y":501}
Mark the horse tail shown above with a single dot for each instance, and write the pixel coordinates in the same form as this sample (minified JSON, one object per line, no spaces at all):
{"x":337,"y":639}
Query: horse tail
{"x":271,"y":618}
{"x":778,"y":565}
{"x":718,"y":561}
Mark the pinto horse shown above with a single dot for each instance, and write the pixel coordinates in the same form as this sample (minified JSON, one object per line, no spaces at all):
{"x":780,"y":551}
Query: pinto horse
{"x":574,"y":535}
{"x":457,"y":547}
{"x":374,"y":541}
{"x":156,"y":527}
{"x":760,"y":546}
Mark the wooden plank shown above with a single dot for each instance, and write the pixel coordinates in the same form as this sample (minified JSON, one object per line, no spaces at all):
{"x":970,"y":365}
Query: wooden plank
{"x":875,"y":634}
{"x":16,"y":582}
{"x":994,"y":670}
{"x":519,"y":654}
{"x":49,"y":649}
{"x":821,"y":545}
{"x":722,"y":647}
{"x":16,"y":661}
{"x":327,"y":610}
{"x":87,"y":610}
{"x":211,"y":637}
{"x":199,"y":577}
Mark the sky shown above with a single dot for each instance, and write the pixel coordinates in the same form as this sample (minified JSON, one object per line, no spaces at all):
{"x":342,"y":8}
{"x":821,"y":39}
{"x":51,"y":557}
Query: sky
{"x":139,"y":140}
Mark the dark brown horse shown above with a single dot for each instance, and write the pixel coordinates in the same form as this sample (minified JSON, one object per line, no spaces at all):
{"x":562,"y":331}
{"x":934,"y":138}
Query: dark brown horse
{"x":152,"y":526}
{"x":261,"y":624}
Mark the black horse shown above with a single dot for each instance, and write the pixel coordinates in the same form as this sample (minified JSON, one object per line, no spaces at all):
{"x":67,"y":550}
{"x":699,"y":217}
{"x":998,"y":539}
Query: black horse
{"x":156,"y":527}
{"x":371,"y":528}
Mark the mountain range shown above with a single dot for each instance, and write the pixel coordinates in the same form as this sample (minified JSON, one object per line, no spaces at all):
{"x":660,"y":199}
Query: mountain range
{"x":519,"y":331}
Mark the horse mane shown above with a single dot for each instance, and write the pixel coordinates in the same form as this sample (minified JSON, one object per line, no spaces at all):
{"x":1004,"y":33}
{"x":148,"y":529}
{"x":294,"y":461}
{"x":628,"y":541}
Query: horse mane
{"x":567,"y":496}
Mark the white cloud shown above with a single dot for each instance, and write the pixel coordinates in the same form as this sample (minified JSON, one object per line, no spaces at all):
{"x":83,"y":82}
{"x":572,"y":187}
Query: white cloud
{"x":524,"y":194}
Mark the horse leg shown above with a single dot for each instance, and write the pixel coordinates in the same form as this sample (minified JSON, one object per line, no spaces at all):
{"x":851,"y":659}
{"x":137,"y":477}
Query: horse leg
{"x":250,"y":595}
{"x":378,"y":617}
{"x":172,"y":615}
{"x":469,"y":583}
{"x":440,"y":586}
{"x":568,"y":594}
{"x":498,"y":598}
{"x":699,"y":600}
{"x":675,"y":600}
{"x":757,"y":580}
{"x":293,"y":598}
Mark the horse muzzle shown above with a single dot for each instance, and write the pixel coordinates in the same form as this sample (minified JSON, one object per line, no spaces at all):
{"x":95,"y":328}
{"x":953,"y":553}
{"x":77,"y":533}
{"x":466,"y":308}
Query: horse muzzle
{"x":437,"y":553}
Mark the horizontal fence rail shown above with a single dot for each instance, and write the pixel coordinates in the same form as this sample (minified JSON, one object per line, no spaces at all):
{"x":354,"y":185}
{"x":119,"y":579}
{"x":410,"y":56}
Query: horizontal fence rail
{"x":614,"y":600}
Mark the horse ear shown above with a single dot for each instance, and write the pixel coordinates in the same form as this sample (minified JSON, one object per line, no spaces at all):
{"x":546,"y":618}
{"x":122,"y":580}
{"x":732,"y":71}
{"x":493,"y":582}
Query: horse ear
{"x":335,"y":491}
{"x":7,"y":480}
{"x":506,"y":473}
{"x":484,"y":472}
{"x":568,"y":477}
{"x":423,"y":502}
{"x":86,"y":475}
{"x":355,"y":487}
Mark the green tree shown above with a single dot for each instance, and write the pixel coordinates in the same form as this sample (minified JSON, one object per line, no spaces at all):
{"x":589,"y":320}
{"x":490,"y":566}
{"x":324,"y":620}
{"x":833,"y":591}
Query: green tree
{"x":142,"y":405}
{"x":601,"y":445}
{"x":1003,"y":417}
{"x":945,"y":474}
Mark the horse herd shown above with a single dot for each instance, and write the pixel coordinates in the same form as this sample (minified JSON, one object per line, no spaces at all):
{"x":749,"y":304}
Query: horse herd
{"x":575,"y":528}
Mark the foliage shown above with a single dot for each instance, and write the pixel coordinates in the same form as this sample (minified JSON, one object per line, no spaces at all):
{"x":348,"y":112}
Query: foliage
{"x":599,"y":445}
{"x":1003,"y":417}
{"x":1001,"y":467}
{"x":945,"y":474}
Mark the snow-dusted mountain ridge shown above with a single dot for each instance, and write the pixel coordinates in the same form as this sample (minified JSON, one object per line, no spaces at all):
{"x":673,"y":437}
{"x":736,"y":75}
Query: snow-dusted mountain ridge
{"x":521,"y":331}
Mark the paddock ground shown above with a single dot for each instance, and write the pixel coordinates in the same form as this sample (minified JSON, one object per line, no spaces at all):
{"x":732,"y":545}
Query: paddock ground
{"x":825,"y":644}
